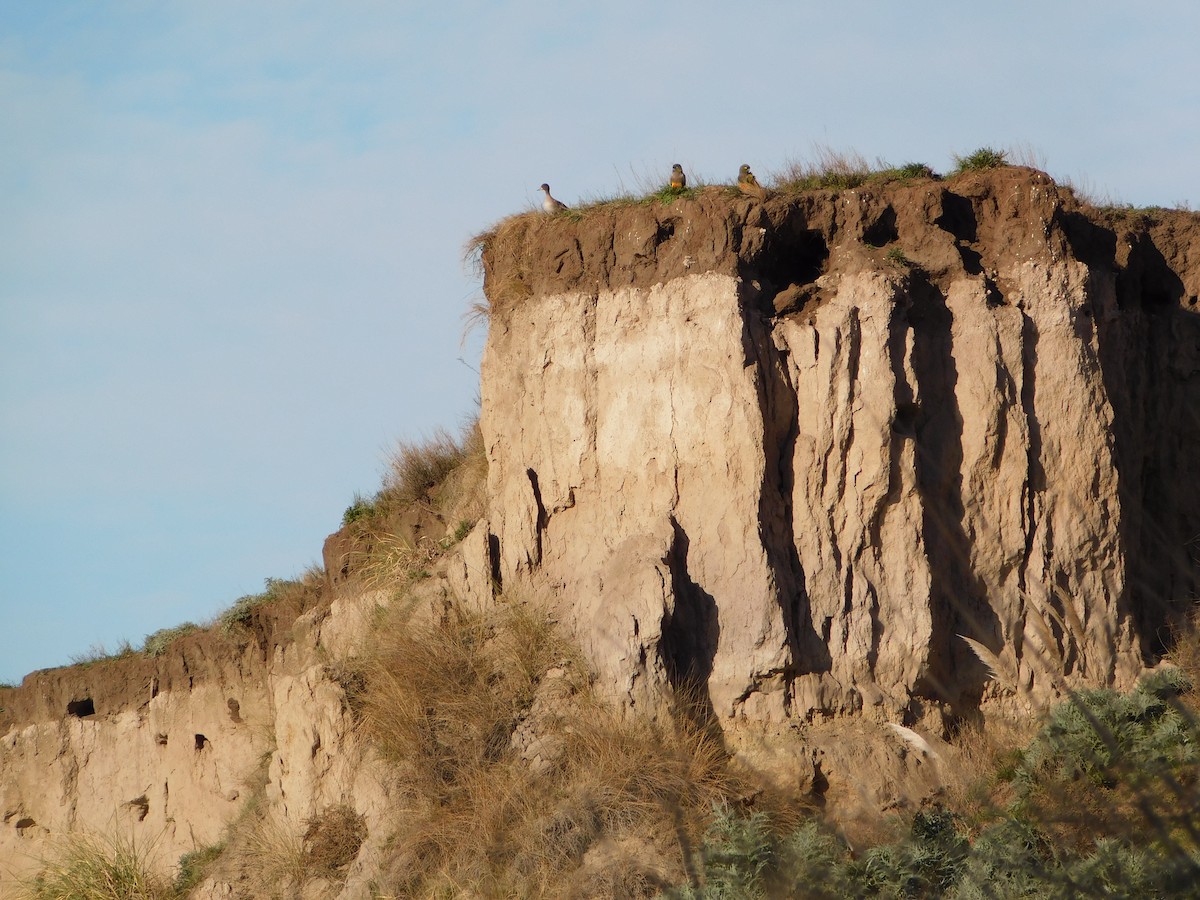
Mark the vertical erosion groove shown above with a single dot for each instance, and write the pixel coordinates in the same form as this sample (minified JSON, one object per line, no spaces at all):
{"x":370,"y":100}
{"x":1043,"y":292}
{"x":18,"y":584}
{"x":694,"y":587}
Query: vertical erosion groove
{"x":777,"y":402}
{"x":691,"y":631}
{"x":958,"y":598}
{"x":542,"y":518}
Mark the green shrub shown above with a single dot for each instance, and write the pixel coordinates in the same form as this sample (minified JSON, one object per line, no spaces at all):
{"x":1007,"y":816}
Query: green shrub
{"x":1014,"y":860}
{"x":670,"y":194}
{"x":156,"y":644}
{"x":925,"y":864}
{"x":810,"y":862}
{"x":983,"y":158}
{"x":357,"y":511}
{"x":194,"y":866}
{"x":1104,"y":736}
{"x":736,"y":852}
{"x":295,"y":594}
{"x":1011,"y":858}
{"x":913,"y":170}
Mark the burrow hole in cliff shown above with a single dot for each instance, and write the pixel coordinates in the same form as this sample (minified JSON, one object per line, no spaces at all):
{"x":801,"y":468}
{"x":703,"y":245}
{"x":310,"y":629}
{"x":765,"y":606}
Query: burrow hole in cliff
{"x":202,"y":742}
{"x":958,"y":217}
{"x":959,"y":220}
{"x":792,"y":257}
{"x":883,"y":230}
{"x":81,"y":708}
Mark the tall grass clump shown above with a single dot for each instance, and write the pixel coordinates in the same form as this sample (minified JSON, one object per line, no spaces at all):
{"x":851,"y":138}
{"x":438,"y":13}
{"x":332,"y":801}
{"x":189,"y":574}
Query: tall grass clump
{"x":435,"y":472}
{"x":417,"y":467}
{"x":159,"y":642}
{"x":287,"y":598}
{"x":511,"y":770}
{"x":194,"y":866}
{"x":830,"y":169}
{"x":97,"y":867}
{"x":844,"y":170}
{"x":508,"y":280}
{"x":98,"y":653}
{"x":981,"y":159}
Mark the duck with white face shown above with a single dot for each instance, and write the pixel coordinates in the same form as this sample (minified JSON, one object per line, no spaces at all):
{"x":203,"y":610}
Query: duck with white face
{"x":549,"y":204}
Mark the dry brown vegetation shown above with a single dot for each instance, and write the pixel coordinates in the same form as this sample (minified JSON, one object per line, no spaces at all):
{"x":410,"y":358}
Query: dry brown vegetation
{"x":517,"y":780}
{"x":96,"y":867}
{"x":269,"y":859}
{"x":970,"y":764}
{"x":433,"y":493}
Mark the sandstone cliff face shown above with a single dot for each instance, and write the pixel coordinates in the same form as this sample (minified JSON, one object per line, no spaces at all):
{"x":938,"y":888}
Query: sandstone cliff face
{"x":792,"y":450}
{"x":170,"y":751}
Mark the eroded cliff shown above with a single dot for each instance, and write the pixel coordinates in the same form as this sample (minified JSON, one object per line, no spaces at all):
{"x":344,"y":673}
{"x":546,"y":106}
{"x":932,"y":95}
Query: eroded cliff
{"x":792,"y":450}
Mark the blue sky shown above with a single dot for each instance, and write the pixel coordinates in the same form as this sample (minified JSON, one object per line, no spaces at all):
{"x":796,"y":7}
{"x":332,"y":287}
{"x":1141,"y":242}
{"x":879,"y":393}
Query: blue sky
{"x":231,"y":233}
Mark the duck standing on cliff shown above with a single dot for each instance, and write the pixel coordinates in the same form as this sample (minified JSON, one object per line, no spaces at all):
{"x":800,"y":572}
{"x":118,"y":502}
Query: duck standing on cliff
{"x":549,"y":204}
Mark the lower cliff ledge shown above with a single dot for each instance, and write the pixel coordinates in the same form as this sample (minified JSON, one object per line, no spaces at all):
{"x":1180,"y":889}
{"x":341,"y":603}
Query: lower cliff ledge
{"x":167,"y":751}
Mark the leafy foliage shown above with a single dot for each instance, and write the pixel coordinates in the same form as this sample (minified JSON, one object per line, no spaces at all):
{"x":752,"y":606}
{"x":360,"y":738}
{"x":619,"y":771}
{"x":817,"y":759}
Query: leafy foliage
{"x":1100,"y":750}
{"x":1104,"y":736}
{"x":156,"y":644}
{"x":194,"y":865}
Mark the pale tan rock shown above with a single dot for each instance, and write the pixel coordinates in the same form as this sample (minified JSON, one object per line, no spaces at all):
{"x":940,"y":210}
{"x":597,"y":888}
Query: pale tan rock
{"x":815,"y":514}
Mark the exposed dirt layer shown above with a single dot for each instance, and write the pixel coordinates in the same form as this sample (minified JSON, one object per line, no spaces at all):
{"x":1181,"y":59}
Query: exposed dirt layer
{"x":129,"y":681}
{"x":785,"y":243}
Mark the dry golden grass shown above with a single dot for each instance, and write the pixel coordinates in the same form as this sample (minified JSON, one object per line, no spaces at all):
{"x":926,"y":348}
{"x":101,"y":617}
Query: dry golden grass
{"x":390,"y":562}
{"x":434,"y":492}
{"x":461,"y":494}
{"x":417,"y":467}
{"x":97,"y":867}
{"x":970,"y":763}
{"x":332,"y":840}
{"x":268,"y":858}
{"x":442,"y":701}
{"x":1185,"y":648}
{"x":498,"y":256}
{"x":828,"y":168}
{"x":443,"y":695}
